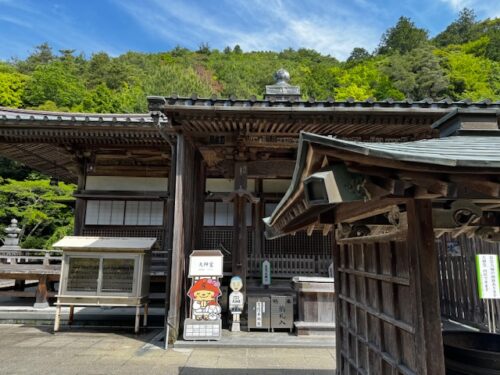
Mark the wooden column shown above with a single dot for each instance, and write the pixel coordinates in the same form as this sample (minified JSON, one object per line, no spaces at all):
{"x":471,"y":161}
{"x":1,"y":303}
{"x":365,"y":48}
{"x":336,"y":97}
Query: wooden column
{"x":80,"y":204}
{"x":168,"y":245}
{"x":424,"y":271}
{"x":240,"y":241}
{"x":199,"y":202}
{"x":258,"y":215}
{"x":182,"y":231}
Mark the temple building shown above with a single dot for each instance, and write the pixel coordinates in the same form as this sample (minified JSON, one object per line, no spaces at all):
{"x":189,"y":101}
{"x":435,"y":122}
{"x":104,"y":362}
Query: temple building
{"x":202,"y":173}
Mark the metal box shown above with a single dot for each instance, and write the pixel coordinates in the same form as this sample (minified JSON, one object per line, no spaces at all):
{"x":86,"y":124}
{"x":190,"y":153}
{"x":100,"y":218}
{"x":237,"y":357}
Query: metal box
{"x":281,"y":312}
{"x":259,"y":313}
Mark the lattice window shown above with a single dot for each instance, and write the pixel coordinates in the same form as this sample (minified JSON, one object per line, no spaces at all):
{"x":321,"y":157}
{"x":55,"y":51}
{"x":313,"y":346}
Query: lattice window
{"x":119,"y":212}
{"x":129,"y":231}
{"x":301,"y":243}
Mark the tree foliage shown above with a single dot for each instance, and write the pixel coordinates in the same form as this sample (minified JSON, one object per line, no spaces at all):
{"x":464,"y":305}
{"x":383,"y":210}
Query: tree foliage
{"x":403,"y":37}
{"x":406,"y":64}
{"x":41,"y":208}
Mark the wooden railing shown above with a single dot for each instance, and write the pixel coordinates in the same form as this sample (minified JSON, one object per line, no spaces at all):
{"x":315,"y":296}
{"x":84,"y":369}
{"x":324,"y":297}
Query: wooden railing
{"x":289,"y":265}
{"x":30,"y":256}
{"x":458,"y":280}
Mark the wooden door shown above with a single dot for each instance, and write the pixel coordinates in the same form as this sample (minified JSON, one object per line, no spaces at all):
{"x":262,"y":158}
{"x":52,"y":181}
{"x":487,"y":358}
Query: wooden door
{"x":387,"y":309}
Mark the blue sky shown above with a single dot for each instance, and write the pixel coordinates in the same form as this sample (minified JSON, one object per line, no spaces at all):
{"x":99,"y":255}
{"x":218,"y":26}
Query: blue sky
{"x":330,"y":26}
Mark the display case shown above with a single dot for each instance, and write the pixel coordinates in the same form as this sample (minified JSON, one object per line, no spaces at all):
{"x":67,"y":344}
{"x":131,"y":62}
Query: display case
{"x":104,"y":271}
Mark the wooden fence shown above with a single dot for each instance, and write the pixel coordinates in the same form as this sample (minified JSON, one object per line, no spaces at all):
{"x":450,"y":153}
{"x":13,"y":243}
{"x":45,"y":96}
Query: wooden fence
{"x":289,"y":265}
{"x":458,"y":280}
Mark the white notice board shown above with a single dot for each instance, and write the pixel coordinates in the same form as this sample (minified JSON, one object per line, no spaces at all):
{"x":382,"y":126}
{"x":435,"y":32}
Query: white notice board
{"x":488,"y":276}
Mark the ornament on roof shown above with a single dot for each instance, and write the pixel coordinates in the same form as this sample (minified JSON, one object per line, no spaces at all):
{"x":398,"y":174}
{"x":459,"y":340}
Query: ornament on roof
{"x":282,"y":90}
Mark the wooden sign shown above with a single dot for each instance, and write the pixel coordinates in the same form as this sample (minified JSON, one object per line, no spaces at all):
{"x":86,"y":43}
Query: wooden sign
{"x":266,"y":272}
{"x":488,"y":276}
{"x":205,"y":263}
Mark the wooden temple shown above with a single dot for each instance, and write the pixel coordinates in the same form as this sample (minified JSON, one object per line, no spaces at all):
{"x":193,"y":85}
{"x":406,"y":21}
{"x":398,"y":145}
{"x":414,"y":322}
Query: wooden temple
{"x":202,"y":173}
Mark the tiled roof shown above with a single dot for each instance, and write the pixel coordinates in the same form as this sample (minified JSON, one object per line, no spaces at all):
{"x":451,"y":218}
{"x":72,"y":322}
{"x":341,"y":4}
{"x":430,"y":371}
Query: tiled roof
{"x":157,"y":103}
{"x":10,"y":114}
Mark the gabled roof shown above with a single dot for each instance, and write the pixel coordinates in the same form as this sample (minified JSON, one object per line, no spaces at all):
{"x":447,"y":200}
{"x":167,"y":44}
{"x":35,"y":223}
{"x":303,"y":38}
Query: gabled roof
{"x":454,"y":154}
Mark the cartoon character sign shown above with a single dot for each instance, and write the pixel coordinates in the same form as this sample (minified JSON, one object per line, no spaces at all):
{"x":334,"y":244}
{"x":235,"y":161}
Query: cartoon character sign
{"x":204,"y":294}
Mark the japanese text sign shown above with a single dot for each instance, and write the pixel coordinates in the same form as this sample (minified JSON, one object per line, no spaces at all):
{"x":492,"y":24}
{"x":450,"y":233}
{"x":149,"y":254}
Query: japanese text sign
{"x":488,"y":276}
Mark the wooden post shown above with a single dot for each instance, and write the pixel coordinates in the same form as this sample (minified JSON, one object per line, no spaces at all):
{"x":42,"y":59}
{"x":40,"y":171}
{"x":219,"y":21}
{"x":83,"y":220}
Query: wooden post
{"x":258,"y":215}
{"x":146,"y":311}
{"x":172,"y":181}
{"x":182,"y":231}
{"x":240,"y":242}
{"x":137,"y":318}
{"x":41,"y":293}
{"x":424,"y":269}
{"x":80,"y":204}
{"x":57,"y":320}
{"x":71,"y":314}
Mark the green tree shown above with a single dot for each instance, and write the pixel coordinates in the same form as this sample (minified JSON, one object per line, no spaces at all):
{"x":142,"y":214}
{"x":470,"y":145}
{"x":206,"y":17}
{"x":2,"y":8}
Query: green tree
{"x":403,"y":37}
{"x":41,"y":208}
{"x":358,"y":55}
{"x":41,"y":55}
{"x":54,"y":82}
{"x":365,"y":81}
{"x":12,"y":86}
{"x":460,"y":31}
{"x":472,"y":76}
{"x":418,"y":74}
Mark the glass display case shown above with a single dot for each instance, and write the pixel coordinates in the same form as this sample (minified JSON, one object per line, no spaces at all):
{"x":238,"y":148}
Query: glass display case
{"x":104,"y":271}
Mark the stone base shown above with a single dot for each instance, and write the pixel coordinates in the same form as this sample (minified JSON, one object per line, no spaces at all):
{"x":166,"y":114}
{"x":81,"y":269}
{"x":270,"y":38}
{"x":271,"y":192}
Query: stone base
{"x":41,"y":305}
{"x":314,"y":329}
{"x":235,"y":327}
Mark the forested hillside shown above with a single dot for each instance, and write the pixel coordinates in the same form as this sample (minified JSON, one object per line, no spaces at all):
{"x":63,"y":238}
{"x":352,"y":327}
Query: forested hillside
{"x":461,"y":62}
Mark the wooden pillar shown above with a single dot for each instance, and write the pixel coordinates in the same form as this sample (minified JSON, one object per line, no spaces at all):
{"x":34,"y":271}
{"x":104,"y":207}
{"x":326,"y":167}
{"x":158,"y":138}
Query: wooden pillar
{"x":240,"y":241}
{"x":181,"y":232}
{"x":80,"y":204}
{"x":424,"y":271}
{"x":168,"y":246}
{"x":199,"y":202}
{"x":258,"y":215}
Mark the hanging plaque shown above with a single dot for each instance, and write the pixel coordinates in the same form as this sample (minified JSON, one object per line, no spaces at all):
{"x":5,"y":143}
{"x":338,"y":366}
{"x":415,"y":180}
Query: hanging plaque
{"x":266,"y":272}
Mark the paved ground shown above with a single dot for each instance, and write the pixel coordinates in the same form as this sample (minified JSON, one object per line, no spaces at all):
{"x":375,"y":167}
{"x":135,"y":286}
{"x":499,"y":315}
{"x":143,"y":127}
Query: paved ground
{"x":35,"y":350}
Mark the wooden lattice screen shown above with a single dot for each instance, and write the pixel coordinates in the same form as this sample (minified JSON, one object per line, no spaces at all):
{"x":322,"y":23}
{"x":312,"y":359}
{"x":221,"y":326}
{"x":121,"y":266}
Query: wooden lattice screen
{"x":458,"y":280}
{"x":387,"y":307}
{"x":376,"y":318}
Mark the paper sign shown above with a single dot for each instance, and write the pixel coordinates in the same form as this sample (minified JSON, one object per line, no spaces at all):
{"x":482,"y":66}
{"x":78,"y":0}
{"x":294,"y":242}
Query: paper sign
{"x":266,"y":273}
{"x":488,"y":276}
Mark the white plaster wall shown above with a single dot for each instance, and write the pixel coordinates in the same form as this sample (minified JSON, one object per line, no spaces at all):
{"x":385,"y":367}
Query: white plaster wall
{"x":119,"y":183}
{"x":275,"y":186}
{"x":226,"y":185}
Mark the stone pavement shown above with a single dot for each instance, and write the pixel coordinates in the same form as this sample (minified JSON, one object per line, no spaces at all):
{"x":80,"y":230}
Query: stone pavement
{"x":35,"y":350}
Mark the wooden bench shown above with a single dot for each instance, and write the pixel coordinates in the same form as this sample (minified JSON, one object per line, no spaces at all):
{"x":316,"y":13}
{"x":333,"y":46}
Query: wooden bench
{"x":31,"y":264}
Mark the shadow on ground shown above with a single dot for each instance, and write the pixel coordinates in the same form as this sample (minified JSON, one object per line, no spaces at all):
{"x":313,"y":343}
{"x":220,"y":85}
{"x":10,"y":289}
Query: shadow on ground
{"x":254,"y":371}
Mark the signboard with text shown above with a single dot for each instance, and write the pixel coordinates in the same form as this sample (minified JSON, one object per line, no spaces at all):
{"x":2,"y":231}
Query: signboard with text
{"x":488,"y":276}
{"x":205,"y":263}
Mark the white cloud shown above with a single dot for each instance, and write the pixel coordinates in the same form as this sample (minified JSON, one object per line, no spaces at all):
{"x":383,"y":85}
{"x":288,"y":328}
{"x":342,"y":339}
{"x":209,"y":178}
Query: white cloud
{"x":276,"y":25}
{"x":483,"y":8}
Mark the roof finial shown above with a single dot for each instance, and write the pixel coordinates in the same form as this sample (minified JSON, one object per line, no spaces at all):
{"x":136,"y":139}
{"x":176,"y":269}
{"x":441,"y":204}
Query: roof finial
{"x":282,"y":76}
{"x":282,"y":90}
